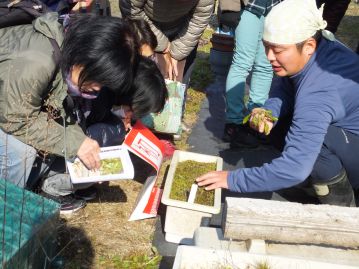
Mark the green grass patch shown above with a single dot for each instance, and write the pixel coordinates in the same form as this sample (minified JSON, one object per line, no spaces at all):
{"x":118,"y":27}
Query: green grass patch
{"x":185,"y":175}
{"x":136,"y":261}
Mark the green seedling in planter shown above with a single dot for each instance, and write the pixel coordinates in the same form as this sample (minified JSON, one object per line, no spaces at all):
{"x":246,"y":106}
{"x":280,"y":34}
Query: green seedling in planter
{"x":185,"y":175}
{"x":111,"y":166}
{"x":108,"y":167}
{"x":259,"y":117}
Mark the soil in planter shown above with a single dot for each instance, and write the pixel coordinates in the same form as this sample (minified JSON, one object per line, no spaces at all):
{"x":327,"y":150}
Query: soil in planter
{"x":185,"y":175}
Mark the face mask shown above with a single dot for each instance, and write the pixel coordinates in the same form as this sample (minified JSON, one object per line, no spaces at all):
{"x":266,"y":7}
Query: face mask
{"x":73,"y":90}
{"x":119,"y":112}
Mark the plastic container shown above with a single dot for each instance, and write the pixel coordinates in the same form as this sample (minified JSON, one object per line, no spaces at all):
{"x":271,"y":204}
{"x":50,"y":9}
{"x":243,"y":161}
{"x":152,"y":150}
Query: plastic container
{"x":183,"y":218}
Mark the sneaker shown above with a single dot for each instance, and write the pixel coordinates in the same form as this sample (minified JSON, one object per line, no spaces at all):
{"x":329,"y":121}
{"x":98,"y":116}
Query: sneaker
{"x":262,"y":138}
{"x":87,"y":194}
{"x":244,"y":138}
{"x":68,"y":203}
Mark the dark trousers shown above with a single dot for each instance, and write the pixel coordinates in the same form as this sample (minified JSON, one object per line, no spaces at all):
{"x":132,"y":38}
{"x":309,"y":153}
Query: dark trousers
{"x":333,"y":13}
{"x":339,"y":150}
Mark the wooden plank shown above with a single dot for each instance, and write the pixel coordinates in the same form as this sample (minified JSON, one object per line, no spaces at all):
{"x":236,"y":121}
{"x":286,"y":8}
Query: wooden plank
{"x":291,"y":222}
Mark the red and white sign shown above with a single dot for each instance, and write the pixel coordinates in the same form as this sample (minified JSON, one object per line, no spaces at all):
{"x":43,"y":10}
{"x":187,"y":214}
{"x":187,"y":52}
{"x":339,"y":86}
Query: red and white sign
{"x":142,"y":142}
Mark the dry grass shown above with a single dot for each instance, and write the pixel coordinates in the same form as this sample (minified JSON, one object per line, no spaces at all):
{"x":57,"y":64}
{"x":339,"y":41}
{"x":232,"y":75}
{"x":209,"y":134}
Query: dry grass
{"x":102,"y":232}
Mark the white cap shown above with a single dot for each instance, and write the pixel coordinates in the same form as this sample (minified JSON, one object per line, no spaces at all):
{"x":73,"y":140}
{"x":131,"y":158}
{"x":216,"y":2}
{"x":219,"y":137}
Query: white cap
{"x":294,"y":21}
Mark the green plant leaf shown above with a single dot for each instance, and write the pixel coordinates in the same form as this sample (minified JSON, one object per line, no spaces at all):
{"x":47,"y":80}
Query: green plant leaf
{"x":266,"y":128}
{"x":246,"y":118}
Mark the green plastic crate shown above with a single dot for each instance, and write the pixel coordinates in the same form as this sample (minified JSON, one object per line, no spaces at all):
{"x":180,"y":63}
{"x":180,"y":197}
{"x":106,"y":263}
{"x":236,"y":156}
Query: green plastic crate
{"x":28,"y":225}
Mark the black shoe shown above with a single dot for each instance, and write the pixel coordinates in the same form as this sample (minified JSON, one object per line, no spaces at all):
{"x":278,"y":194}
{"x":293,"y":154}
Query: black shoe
{"x":262,"y":138}
{"x":68,"y":203}
{"x":244,"y":138}
{"x":230,"y":130}
{"x":336,"y":191}
{"x":87,"y":194}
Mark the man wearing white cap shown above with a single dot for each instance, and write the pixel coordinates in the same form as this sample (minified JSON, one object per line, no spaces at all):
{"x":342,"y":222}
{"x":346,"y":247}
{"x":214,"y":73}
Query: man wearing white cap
{"x":316,"y":98}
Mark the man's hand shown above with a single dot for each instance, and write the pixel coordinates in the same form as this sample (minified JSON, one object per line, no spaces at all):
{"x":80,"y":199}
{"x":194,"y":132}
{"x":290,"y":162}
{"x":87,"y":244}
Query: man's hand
{"x":261,"y":120}
{"x":213,"y":180}
{"x":88,"y":153}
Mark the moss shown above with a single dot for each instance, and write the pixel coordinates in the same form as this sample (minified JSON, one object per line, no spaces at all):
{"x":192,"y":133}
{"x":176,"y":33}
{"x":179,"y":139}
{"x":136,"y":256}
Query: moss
{"x":111,"y":166}
{"x":185,"y":175}
{"x":108,"y":167}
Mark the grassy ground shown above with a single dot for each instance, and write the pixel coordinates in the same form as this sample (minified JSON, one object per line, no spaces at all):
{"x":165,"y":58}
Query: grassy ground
{"x":100,"y":235}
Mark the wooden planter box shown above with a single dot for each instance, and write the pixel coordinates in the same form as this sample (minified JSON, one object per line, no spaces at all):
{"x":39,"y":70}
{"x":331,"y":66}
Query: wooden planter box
{"x":182,"y":218}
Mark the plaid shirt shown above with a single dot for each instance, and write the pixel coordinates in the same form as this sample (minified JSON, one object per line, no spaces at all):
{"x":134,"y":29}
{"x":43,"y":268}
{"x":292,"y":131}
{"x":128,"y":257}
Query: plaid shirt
{"x":261,"y":7}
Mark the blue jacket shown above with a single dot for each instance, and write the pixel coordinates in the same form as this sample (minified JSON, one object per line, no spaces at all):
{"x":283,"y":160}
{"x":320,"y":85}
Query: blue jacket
{"x":325,"y":92}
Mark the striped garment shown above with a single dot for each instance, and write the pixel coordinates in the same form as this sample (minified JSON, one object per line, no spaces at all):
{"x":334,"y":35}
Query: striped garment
{"x":261,"y":7}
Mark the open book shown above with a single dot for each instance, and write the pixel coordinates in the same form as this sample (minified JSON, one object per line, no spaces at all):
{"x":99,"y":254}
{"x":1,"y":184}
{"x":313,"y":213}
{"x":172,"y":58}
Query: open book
{"x":116,"y":164}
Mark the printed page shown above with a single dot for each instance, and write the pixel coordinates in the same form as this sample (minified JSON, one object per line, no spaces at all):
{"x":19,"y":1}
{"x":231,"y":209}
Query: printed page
{"x":115,"y":164}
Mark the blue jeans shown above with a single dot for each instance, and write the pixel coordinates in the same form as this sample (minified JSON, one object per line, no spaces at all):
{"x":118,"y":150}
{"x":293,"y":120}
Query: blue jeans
{"x":249,"y":55}
{"x":16,"y":159}
{"x":339,"y":150}
{"x":20,"y":164}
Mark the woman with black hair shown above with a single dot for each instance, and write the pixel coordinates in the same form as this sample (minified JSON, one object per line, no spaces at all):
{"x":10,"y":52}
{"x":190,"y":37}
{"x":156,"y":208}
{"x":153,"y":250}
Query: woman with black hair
{"x":111,"y":116}
{"x":96,"y":53}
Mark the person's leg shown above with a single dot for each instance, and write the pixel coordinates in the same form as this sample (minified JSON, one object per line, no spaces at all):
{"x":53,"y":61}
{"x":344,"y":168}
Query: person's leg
{"x":16,"y":159}
{"x":246,"y":36}
{"x":180,"y":67}
{"x":58,"y":181}
{"x":336,"y":170}
{"x":333,"y":13}
{"x":188,"y":68}
{"x":262,"y":75}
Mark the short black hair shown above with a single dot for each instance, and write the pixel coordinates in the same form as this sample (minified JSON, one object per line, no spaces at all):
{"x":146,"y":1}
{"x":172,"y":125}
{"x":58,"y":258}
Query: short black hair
{"x":317,"y":37}
{"x":143,"y":32}
{"x":105,"y":47}
{"x":148,"y":91}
